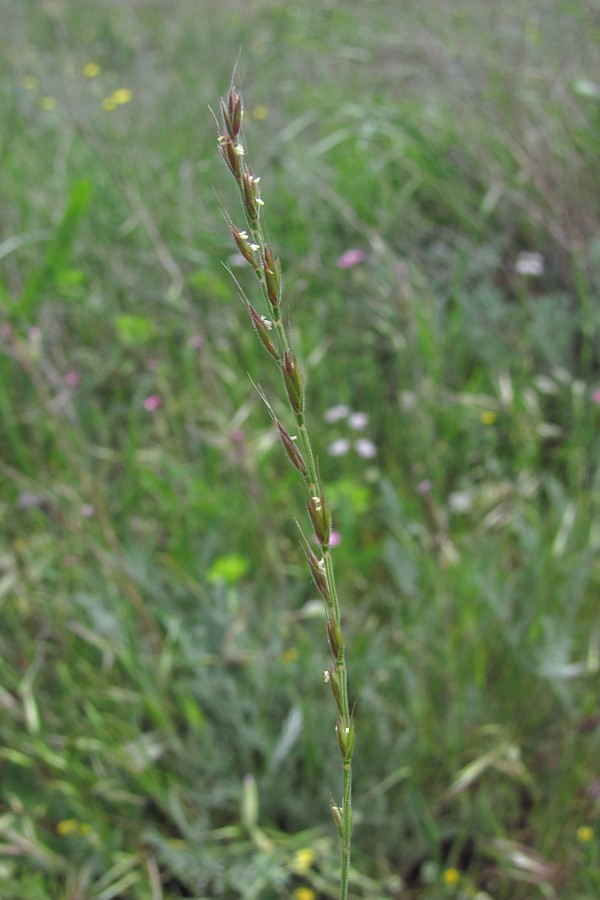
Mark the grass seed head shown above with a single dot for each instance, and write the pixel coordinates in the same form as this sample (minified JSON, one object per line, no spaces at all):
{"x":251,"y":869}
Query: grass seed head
{"x":334,"y":635}
{"x":320,"y":517}
{"x":334,"y":681}
{"x":243,"y":244}
{"x":338,"y":817}
{"x":252,"y":200}
{"x":261,"y":326}
{"x":230,"y":151}
{"x":231,"y":113}
{"x":319,"y":577}
{"x":293,"y":382}
{"x":317,"y":570}
{"x":292,"y":451}
{"x":345,"y":736}
{"x":272,"y":272}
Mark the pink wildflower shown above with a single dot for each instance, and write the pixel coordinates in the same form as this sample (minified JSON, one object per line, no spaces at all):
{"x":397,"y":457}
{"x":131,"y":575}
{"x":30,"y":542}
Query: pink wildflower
{"x":152,"y":402}
{"x":195,"y":342}
{"x":72,"y":379}
{"x":339,"y":447}
{"x":358,"y":420}
{"x":350,"y":258}
{"x":596,"y":397}
{"x":365,"y":448}
{"x":335,"y":538}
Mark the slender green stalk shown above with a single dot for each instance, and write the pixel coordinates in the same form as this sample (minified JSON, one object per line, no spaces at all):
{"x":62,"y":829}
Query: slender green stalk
{"x":256,"y":250}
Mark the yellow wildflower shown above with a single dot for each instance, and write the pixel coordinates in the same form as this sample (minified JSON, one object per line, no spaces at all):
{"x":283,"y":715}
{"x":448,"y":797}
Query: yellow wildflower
{"x":91,"y":70}
{"x":303,"y":860}
{"x":488,"y":417}
{"x":289,"y":655}
{"x":585,"y":834}
{"x":260,"y":113}
{"x":69,"y":826}
{"x":66,"y":826}
{"x":47,"y":104}
{"x":122,"y":95}
{"x":30,"y":82}
{"x":304,"y":893}
{"x":451,"y":877}
{"x":117,"y":98}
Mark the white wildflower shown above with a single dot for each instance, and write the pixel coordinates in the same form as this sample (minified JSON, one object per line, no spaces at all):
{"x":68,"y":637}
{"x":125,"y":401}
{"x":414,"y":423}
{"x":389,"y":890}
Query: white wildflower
{"x":530,"y":264}
{"x":365,"y":448}
{"x":336,"y":413}
{"x":358,"y":420}
{"x":339,"y":447}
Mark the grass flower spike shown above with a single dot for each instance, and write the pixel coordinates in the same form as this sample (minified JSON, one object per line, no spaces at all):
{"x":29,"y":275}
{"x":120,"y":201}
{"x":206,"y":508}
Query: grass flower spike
{"x":269,"y":326}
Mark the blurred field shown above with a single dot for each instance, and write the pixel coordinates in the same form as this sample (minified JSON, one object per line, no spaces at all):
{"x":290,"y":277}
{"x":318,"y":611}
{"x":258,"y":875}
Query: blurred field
{"x":164,"y":729}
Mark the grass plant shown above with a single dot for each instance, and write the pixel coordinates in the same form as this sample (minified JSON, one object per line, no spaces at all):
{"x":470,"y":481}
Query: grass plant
{"x":274,"y":336}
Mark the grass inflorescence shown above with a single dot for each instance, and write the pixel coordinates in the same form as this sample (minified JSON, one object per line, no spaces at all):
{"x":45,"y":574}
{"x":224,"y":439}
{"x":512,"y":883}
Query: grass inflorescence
{"x":274,"y":336}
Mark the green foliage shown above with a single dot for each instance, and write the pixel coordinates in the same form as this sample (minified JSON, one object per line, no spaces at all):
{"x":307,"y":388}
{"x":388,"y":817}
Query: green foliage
{"x":164,"y":719}
{"x":54,"y":271}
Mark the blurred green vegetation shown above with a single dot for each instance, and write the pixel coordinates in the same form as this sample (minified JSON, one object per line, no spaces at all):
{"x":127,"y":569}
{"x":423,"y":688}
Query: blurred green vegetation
{"x":164,"y":730}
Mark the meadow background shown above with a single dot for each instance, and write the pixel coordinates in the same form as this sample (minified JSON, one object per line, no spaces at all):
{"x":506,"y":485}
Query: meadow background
{"x":165,"y":731}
